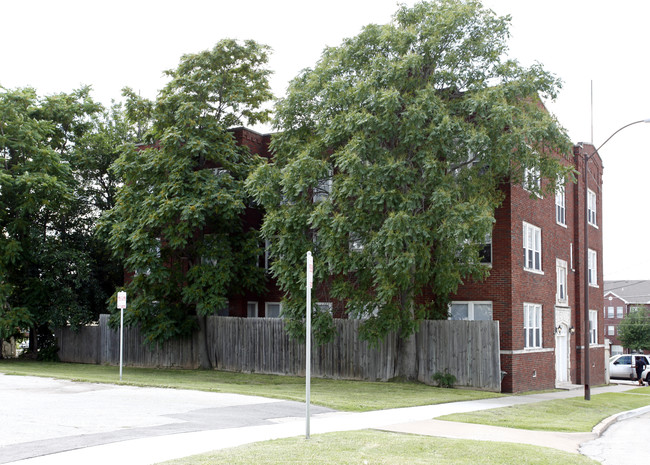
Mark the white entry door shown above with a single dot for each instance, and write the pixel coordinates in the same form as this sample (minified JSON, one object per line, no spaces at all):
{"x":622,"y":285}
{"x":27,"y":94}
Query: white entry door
{"x":562,"y":355}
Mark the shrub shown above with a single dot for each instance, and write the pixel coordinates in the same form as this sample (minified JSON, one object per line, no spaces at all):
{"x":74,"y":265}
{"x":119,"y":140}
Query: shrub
{"x":445,"y":380}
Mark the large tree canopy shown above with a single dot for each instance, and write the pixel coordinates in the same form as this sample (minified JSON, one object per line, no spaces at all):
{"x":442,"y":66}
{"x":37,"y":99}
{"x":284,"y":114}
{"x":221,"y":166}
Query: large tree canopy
{"x":53,"y":270}
{"x":389,"y":157}
{"x":177,"y":219}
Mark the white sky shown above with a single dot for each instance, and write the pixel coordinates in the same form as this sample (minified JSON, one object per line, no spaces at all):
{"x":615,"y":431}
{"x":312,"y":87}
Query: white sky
{"x":55,"y":46}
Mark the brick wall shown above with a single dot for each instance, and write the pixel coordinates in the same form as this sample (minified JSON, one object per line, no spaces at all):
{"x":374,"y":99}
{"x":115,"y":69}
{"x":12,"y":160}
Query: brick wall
{"x":510,"y":286}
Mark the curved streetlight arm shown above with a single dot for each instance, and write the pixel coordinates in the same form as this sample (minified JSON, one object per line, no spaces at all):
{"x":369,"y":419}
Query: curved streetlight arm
{"x":617,"y":131}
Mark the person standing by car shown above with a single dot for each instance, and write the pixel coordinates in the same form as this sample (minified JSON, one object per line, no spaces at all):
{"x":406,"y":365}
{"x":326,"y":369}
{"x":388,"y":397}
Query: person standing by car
{"x":640,"y":366}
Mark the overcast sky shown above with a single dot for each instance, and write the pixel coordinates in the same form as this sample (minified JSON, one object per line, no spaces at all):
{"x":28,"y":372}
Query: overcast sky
{"x":56,"y":46}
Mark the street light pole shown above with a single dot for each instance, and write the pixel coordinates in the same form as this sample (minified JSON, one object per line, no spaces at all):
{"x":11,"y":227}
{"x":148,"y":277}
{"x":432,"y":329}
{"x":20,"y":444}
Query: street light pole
{"x":586,"y":334}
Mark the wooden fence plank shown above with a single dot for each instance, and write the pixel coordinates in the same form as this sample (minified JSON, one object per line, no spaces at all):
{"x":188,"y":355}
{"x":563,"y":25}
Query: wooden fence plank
{"x":469,"y":350}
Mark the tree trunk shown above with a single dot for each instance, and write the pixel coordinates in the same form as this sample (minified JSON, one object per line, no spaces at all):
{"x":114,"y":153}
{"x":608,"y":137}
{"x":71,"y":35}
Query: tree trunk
{"x":406,"y":364}
{"x":204,"y":350}
{"x":33,"y":341}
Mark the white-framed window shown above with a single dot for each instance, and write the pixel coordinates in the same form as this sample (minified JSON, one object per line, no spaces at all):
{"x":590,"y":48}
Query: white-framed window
{"x":560,"y":205}
{"x":617,"y":349}
{"x":252,"y":310}
{"x":592,"y":263}
{"x":325,"y":307}
{"x":533,"y":325}
{"x":561,"y":292}
{"x":591,"y":207}
{"x":611,"y":330}
{"x":610,"y":312}
{"x":478,"y":311}
{"x":593,"y":327}
{"x":532,"y":248}
{"x":619,"y":312}
{"x":532,"y":180}
{"x":272,"y":309}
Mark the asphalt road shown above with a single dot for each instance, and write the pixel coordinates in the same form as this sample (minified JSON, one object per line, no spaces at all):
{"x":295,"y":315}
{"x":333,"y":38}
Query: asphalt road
{"x":50,"y":422}
{"x":623,"y":443}
{"x":40,"y":416}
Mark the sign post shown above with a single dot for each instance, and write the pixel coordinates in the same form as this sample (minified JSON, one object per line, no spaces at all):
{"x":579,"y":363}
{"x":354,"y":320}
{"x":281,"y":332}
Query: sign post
{"x":121,"y":304}
{"x":310,"y":281}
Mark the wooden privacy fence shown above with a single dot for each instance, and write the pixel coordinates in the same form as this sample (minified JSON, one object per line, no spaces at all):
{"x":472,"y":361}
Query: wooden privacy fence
{"x":469,"y":350}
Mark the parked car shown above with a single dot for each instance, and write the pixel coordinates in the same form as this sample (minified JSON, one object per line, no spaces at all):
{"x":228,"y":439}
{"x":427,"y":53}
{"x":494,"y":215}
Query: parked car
{"x":622,"y":366}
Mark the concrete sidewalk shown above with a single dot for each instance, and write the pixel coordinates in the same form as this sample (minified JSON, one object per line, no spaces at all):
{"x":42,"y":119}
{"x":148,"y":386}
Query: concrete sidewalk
{"x":414,"y":420}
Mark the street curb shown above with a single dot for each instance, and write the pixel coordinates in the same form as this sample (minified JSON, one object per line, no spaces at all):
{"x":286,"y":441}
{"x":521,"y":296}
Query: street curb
{"x":601,"y":427}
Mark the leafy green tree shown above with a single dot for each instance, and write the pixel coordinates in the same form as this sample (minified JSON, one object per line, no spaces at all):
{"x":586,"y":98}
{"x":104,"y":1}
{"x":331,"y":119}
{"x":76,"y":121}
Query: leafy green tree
{"x":52,"y":266}
{"x":177,"y":218}
{"x":33,"y":191}
{"x":634,"y":329}
{"x":388,"y":162}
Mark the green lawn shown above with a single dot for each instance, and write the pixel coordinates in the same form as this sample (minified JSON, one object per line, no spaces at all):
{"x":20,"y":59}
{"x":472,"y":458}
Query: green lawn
{"x":567,"y":415}
{"x":355,"y":396}
{"x":382,"y":448}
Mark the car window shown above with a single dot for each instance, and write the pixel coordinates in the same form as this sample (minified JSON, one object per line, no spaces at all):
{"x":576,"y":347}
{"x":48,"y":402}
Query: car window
{"x":624,"y":360}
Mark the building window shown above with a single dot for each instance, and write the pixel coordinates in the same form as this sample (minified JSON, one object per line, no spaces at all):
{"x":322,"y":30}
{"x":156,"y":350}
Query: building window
{"x":593,"y":327}
{"x":324,"y":188}
{"x":533,"y":325}
{"x":485,"y":254}
{"x":355,"y":244}
{"x":252,"y":310}
{"x":610,"y":312}
{"x":532,"y":248}
{"x":477,"y":311}
{"x":591,"y":207}
{"x":532,"y":180}
{"x":273,"y":310}
{"x":611,"y":331}
{"x":561,"y":270}
{"x":324,"y":307}
{"x":560,"y":205}
{"x":619,"y":312}
{"x":268,"y":260}
{"x":225,"y":310}
{"x":592,"y":264}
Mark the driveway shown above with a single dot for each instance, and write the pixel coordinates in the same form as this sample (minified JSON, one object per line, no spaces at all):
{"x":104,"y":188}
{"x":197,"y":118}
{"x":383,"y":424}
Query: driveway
{"x":42,"y":416}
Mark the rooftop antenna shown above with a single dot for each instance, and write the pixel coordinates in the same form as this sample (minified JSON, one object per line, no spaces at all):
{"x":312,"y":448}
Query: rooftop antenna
{"x":592,"y":112}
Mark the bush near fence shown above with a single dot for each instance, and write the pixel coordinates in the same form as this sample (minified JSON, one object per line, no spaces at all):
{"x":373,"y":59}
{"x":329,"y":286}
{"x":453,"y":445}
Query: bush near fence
{"x":469,"y":350}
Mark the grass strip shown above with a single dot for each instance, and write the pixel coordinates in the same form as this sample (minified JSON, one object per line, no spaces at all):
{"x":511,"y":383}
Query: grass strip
{"x":352,"y":396}
{"x":383,"y":448}
{"x":572,"y":415}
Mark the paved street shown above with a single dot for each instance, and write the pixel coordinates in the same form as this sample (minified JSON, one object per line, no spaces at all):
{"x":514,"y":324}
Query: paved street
{"x":623,"y":443}
{"x":40,"y":416}
{"x":50,"y":422}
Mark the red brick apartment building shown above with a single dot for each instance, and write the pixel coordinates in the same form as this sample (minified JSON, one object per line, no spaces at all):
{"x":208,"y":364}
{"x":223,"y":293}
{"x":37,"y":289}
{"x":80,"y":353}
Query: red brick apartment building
{"x":536,"y":285}
{"x":621,"y":297}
